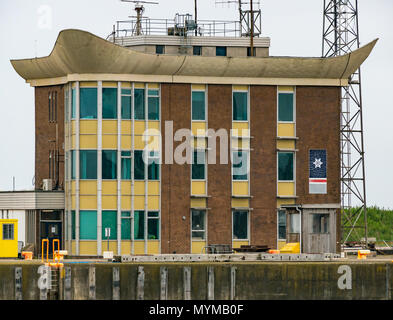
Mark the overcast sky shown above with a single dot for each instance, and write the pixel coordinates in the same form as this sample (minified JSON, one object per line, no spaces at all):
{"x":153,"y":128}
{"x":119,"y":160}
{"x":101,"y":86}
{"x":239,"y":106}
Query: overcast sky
{"x":295,"y":29}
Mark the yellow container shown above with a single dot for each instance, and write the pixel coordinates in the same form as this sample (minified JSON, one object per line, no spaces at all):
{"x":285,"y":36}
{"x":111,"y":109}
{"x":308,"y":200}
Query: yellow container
{"x":8,"y":238}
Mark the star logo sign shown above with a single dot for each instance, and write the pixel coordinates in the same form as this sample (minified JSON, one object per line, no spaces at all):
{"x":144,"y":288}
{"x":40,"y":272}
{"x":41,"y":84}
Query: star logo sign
{"x":317,"y":163}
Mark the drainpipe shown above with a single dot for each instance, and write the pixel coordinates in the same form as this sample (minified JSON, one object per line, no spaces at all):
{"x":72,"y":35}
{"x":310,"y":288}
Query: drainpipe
{"x":298,"y":209}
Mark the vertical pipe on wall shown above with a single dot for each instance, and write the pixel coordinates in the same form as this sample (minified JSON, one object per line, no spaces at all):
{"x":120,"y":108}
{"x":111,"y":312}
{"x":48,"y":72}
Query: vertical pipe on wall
{"x":119,"y":168}
{"x":77,"y":226}
{"x":99,"y":168}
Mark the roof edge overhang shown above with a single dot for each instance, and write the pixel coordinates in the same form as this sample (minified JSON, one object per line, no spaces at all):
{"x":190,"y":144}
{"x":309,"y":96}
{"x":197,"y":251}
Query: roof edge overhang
{"x":79,"y":55}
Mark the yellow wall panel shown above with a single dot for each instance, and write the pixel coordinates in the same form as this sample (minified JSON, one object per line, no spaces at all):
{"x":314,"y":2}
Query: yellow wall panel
{"x":109,"y":141}
{"x":73,"y":247}
{"x":240,"y":88}
{"x":88,"y":141}
{"x":198,"y":87}
{"x":286,"y":129}
{"x":238,"y":244}
{"x":286,"y":144}
{"x":153,"y":247}
{"x":286,"y":88}
{"x":126,"y":142}
{"x":153,"y":86}
{"x":153,"y":142}
{"x":240,"y":203}
{"x":73,"y":141}
{"x":199,"y":143}
{"x":109,"y":187}
{"x":153,"y":202}
{"x":126,"y":85}
{"x":88,"y":202}
{"x":109,"y":126}
{"x":88,"y":126}
{"x":73,"y":202}
{"x":125,"y":187}
{"x":88,"y":248}
{"x":198,"y":128}
{"x":240,"y":129}
{"x":125,"y":202}
{"x":154,"y":125}
{"x":153,"y":188}
{"x":139,"y":127}
{"x":109,"y":202}
{"x":240,"y":143}
{"x":91,"y":84}
{"x":139,"y":85}
{"x":198,"y":203}
{"x":126,"y":126}
{"x":73,"y":126}
{"x":285,"y":188}
{"x":197,"y":247}
{"x":139,"y":187}
{"x":281,"y":202}
{"x":109,"y":84}
{"x":139,"y":144}
{"x":125,"y":246}
{"x":198,"y":187}
{"x":112,"y":246}
{"x":139,"y":247}
{"x":73,"y":187}
{"x":139,"y":203}
{"x":240,"y":188}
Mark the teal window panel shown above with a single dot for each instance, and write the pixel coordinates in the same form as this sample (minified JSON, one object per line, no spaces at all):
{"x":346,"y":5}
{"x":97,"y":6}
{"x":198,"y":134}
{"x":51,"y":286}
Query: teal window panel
{"x":126,"y":225}
{"x":139,"y":104}
{"x":153,"y":108}
{"x":109,"y":164}
{"x":153,"y":226}
{"x":88,"y":164}
{"x":240,"y":225}
{"x":198,"y":105}
{"x":198,"y":165}
{"x":73,"y":164}
{"x":73,"y":225}
{"x":126,"y":168}
{"x":88,"y":225}
{"x":109,"y":220}
{"x":221,"y":51}
{"x":285,"y":166}
{"x":126,"y":107}
{"x":109,"y":103}
{"x":73,"y":103}
{"x":240,"y":106}
{"x":139,"y":225}
{"x":240,"y":165}
{"x":139,"y":165}
{"x":153,"y":168}
{"x":88,"y":103}
{"x":285,"y":107}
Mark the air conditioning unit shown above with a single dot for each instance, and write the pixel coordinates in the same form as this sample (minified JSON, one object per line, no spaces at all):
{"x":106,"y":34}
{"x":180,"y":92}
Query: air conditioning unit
{"x":47,"y":184}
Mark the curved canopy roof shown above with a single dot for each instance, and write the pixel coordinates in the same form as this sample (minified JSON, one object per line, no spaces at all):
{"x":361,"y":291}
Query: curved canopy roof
{"x":80,"y":52}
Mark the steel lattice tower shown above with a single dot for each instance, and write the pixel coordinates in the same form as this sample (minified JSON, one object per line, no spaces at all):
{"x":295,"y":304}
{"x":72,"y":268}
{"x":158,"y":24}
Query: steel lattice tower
{"x":341,"y":36}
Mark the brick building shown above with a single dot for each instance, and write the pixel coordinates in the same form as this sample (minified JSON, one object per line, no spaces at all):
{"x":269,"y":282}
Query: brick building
{"x":239,"y":149}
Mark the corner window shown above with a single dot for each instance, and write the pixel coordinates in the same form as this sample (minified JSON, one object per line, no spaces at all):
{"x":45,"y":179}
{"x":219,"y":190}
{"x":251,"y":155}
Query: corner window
{"x":109,"y":164}
{"x":221,"y":51}
{"x":198,"y":165}
{"x":139,"y":225}
{"x":285,"y":166}
{"x":240,"y":225}
{"x":320,"y":223}
{"x":153,"y":105}
{"x":153,"y":225}
{"x":285,"y":107}
{"x":109,"y":103}
{"x":88,"y":103}
{"x":198,"y":228}
{"x":198,"y":105}
{"x":160,"y":49}
{"x":8,"y":231}
{"x":126,"y":104}
{"x":240,"y":165}
{"x":240,"y":106}
{"x":126,"y":165}
{"x":88,"y":164}
{"x":139,"y":165}
{"x":197,"y":50}
{"x":139,"y":104}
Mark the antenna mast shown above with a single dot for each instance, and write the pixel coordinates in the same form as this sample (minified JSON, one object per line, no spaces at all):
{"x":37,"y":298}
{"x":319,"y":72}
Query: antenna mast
{"x":140,"y":9}
{"x":341,"y":36}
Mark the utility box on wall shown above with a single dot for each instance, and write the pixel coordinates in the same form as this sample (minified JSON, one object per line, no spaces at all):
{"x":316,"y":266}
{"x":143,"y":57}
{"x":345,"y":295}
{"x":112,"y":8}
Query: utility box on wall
{"x":8,"y":238}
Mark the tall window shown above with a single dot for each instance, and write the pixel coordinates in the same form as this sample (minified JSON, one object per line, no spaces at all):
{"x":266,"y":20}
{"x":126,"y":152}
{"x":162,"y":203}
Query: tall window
{"x":109,"y":164}
{"x":126,"y":104}
{"x":197,"y":50}
{"x":198,"y":165}
{"x":88,"y":164}
{"x":221,"y":51}
{"x":126,"y":165}
{"x":126,"y":225}
{"x":109,"y":103}
{"x":8,"y":231}
{"x":109,"y":220}
{"x":88,"y":103}
{"x":73,"y":103}
{"x":198,"y":105}
{"x":139,"y":104}
{"x":240,"y":165}
{"x":240,"y":106}
{"x":153,"y":102}
{"x":282,"y":224}
{"x":160,"y":49}
{"x":285,"y":166}
{"x":198,"y":228}
{"x":285,"y":107}
{"x":73,"y":164}
{"x":52,"y":106}
{"x":73,"y":225}
{"x":139,"y":225}
{"x":153,"y":168}
{"x":240,"y":225}
{"x":139,"y":165}
{"x":88,"y":225}
{"x":294,"y":223}
{"x":153,"y":225}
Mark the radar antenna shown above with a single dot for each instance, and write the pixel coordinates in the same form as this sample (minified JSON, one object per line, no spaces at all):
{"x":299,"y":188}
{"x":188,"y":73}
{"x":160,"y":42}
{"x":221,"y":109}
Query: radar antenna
{"x":140,"y":9}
